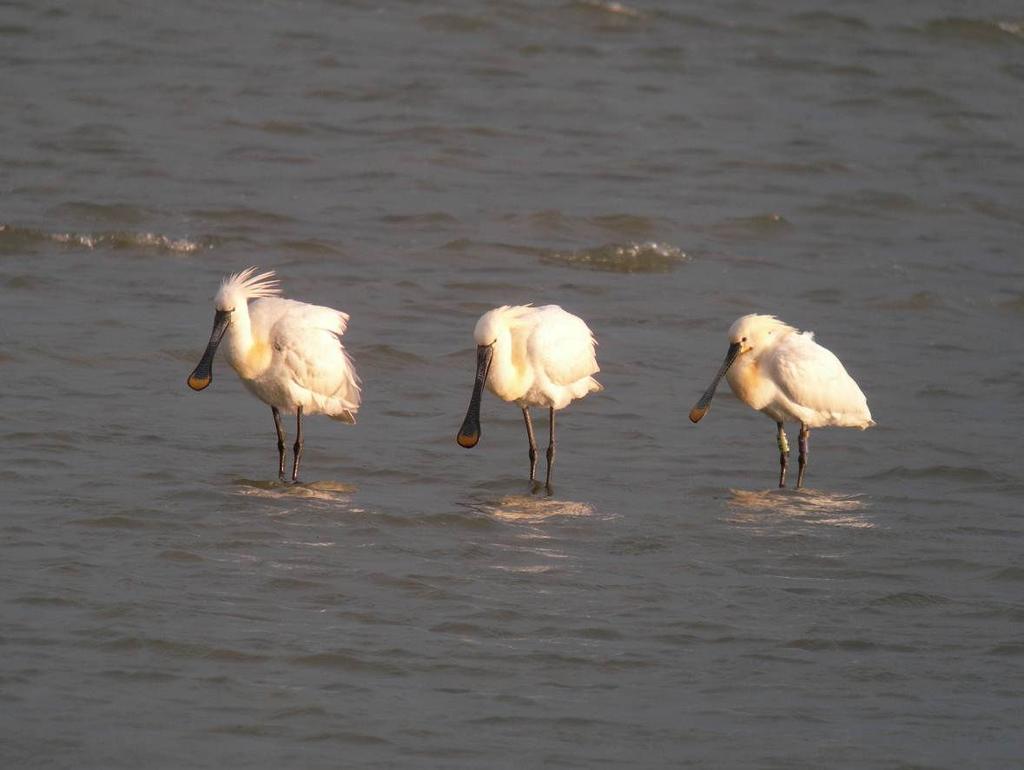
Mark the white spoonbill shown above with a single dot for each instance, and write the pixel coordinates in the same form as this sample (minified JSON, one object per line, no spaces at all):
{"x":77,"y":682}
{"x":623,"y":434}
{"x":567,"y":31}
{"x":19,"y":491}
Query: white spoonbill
{"x":534,"y":356}
{"x":287,"y":353}
{"x":783,"y":372}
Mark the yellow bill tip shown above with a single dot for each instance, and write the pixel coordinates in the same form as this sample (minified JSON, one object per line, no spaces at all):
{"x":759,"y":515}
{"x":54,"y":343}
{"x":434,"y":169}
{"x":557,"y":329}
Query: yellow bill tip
{"x":697,"y":413}
{"x":198,"y":383}
{"x":468,"y":440}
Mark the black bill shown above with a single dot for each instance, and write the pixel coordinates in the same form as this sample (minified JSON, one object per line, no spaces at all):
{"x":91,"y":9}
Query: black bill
{"x":469,"y":433}
{"x":202,"y":375}
{"x":701,"y":407}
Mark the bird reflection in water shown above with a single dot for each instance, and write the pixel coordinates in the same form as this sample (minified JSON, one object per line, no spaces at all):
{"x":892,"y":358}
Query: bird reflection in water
{"x":761,"y":508}
{"x":530,"y":510}
{"x":535,"y":544}
{"x":323,"y":491}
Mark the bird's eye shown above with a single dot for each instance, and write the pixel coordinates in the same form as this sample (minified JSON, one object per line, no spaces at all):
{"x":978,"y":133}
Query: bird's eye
{"x":743,"y":340}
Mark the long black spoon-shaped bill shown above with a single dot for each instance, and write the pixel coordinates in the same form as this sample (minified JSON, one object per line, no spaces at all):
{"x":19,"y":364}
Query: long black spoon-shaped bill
{"x":469,"y":433}
{"x":704,"y":403}
{"x":202,"y":375}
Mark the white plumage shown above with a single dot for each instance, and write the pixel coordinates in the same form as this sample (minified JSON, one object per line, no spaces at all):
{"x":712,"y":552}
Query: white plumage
{"x":782,"y":372}
{"x":287,"y":353}
{"x":543,"y":356}
{"x":293,"y":357}
{"x":531,"y":356}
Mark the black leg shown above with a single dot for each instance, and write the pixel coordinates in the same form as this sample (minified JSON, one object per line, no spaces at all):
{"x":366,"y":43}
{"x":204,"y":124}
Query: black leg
{"x":533,"y":443}
{"x":804,"y":435}
{"x":298,"y":444}
{"x":551,"y":448}
{"x":783,"y":455}
{"x":280,"y":442}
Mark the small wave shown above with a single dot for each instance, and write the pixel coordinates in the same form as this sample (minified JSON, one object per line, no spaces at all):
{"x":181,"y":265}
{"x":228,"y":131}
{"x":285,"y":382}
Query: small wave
{"x":814,"y":644}
{"x":388,"y":357}
{"x":1011,"y":574}
{"x":247,"y":731}
{"x":283,"y":128}
{"x":178,"y":649}
{"x":945,"y":472}
{"x":243,"y":215}
{"x":344,"y":661}
{"x":909,"y":599}
{"x":455,"y":22}
{"x":817,"y":644}
{"x":46,"y":601}
{"x":937,"y":391}
{"x":649,"y":257}
{"x":608,"y":7}
{"x":625,"y":224}
{"x":919,"y":300}
{"x":111,"y":522}
{"x":466,"y":629}
{"x":312,"y":246}
{"x":291,"y":584}
{"x":635,"y":546}
{"x":1016,"y":304}
{"x":975,"y":30}
{"x":12,"y":237}
{"x":826,"y":20}
{"x":756,"y":226}
{"x":347,"y":738}
{"x":1001,"y":210}
{"x":138,"y":676}
{"x":1008,"y":648}
{"x":424,"y":219}
{"x":822,"y":167}
{"x":1014,"y":70}
{"x":178,"y":555}
{"x":14,"y":30}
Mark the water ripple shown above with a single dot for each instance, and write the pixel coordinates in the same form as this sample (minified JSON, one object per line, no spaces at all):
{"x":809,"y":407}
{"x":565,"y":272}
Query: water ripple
{"x":765,"y":508}
{"x":649,"y":257}
{"x":15,"y":238}
{"x":969,"y":30}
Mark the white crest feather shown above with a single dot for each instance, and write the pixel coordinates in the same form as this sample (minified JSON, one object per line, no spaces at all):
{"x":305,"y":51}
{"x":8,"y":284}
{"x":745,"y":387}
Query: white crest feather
{"x":251,"y":285}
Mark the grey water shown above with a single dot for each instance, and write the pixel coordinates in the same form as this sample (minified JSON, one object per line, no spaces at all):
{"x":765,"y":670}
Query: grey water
{"x":659,"y":168}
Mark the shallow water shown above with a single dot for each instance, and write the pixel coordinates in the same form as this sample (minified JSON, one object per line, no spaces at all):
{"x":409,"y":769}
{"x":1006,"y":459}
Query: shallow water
{"x":856,"y":169}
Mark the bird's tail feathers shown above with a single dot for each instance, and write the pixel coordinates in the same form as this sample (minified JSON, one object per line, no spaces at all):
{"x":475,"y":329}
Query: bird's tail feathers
{"x":342,"y":323}
{"x":344,"y":415}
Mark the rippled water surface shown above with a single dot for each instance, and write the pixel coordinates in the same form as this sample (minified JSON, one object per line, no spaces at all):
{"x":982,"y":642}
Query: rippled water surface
{"x":659,"y":168}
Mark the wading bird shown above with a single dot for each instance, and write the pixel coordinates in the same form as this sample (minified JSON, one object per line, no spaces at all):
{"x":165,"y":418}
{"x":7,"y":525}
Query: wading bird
{"x":775,"y":369}
{"x":287,"y":353}
{"x":533,"y":356}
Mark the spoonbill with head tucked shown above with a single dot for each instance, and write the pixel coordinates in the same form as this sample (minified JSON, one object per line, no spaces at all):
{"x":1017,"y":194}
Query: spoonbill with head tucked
{"x":775,"y":369}
{"x":533,"y":356}
{"x":287,"y":353}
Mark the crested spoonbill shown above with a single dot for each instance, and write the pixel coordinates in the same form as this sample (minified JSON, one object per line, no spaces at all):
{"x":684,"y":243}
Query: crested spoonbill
{"x":533,"y":356}
{"x":287,"y":353}
{"x":783,"y":372}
